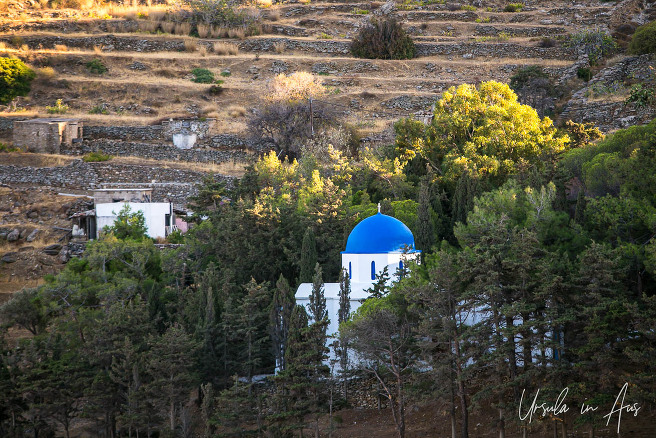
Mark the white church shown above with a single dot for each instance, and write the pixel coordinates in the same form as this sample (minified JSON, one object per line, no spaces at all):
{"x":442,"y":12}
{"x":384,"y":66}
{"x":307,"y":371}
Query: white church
{"x":377,"y":242}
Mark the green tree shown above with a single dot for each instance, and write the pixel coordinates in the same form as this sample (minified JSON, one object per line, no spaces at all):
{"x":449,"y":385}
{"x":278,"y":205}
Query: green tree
{"x":425,"y":236}
{"x":381,"y":285}
{"x":170,"y":364}
{"x":317,"y":305}
{"x":308,"y":256}
{"x":252,"y":328}
{"x":281,"y":310}
{"x":24,"y":310}
{"x":15,"y":79}
{"x":128,"y":225}
{"x":484,"y":131}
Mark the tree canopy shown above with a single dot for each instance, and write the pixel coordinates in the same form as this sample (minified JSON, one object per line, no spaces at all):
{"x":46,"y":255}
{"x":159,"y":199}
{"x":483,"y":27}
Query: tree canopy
{"x":15,"y":79}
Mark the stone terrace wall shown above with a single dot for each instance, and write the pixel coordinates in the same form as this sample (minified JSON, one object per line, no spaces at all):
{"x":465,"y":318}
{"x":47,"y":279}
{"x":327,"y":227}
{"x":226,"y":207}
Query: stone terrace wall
{"x":156,"y":151}
{"x":138,"y":133}
{"x":174,"y":184}
{"x":145,"y":44}
{"x":499,"y":50}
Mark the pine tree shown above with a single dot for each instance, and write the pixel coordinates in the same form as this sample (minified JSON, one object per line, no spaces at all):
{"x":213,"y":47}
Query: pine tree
{"x":281,"y":310}
{"x":425,"y":235}
{"x":308,"y":256}
{"x":317,"y":305}
{"x":381,"y":286}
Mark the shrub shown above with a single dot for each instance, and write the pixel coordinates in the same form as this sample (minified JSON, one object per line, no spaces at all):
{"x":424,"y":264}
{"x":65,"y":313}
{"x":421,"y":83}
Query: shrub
{"x":644,"y":40}
{"x":513,"y":7}
{"x":467,"y":8}
{"x":221,"y":48}
{"x":525,"y":75}
{"x":58,"y":108}
{"x":175,"y":237}
{"x":383,"y":39}
{"x":96,"y":66}
{"x":597,"y":44}
{"x":93,"y":157}
{"x":190,"y":45}
{"x":98,"y":109}
{"x":279,"y":47}
{"x":641,"y":96}
{"x":584,"y":73}
{"x":202,"y":76}
{"x":6,"y":148}
{"x":15,"y":79}
{"x":547,"y":42}
{"x":216,"y":89}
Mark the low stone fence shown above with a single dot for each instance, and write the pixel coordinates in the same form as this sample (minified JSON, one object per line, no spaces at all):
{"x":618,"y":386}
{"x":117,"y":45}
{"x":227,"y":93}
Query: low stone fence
{"x":159,"y":152}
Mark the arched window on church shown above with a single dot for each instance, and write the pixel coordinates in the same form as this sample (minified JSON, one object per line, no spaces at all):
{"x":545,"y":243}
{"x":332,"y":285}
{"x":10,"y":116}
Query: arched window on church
{"x":350,"y":272}
{"x":373,"y":270}
{"x":401,"y":265}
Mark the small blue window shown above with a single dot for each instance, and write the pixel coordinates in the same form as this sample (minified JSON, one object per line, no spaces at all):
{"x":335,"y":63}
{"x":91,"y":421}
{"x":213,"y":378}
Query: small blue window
{"x":350,"y":272}
{"x":373,"y":270}
{"x":401,"y":265}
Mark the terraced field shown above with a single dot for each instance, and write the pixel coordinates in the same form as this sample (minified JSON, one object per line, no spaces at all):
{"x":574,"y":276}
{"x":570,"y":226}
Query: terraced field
{"x":148,"y":77}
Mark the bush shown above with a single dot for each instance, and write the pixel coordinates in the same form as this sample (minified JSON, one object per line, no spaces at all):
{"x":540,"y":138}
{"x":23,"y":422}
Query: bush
{"x":641,"y":96}
{"x":525,"y":75}
{"x":216,"y":89}
{"x":383,"y":39}
{"x":597,"y":44}
{"x":15,"y":79}
{"x":98,"y":109}
{"x":644,"y":40}
{"x":584,"y":73}
{"x":175,"y":237}
{"x":547,"y":43}
{"x":58,"y":108}
{"x":513,"y":7}
{"x":6,"y":148}
{"x":96,"y":66}
{"x":202,"y":76}
{"x":93,"y":157}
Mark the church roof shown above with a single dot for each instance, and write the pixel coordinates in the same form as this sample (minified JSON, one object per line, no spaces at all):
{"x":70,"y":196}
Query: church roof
{"x":380,"y":234}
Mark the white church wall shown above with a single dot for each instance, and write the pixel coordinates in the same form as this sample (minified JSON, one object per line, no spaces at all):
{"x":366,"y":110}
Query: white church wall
{"x":360,"y":264}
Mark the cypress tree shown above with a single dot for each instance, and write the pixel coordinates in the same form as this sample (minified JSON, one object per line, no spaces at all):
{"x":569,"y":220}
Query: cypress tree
{"x":344,"y":296}
{"x":308,"y":256}
{"x":467,"y":188}
{"x":317,"y":304}
{"x":425,"y":231}
{"x":281,"y":310}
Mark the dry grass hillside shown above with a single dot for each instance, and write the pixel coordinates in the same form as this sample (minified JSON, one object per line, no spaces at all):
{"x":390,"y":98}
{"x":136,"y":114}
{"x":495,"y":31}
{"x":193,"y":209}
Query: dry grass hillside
{"x":149,"y":63}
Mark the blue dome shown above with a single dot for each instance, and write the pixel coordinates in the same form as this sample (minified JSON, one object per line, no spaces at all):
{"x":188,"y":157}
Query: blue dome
{"x":380,"y":234}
